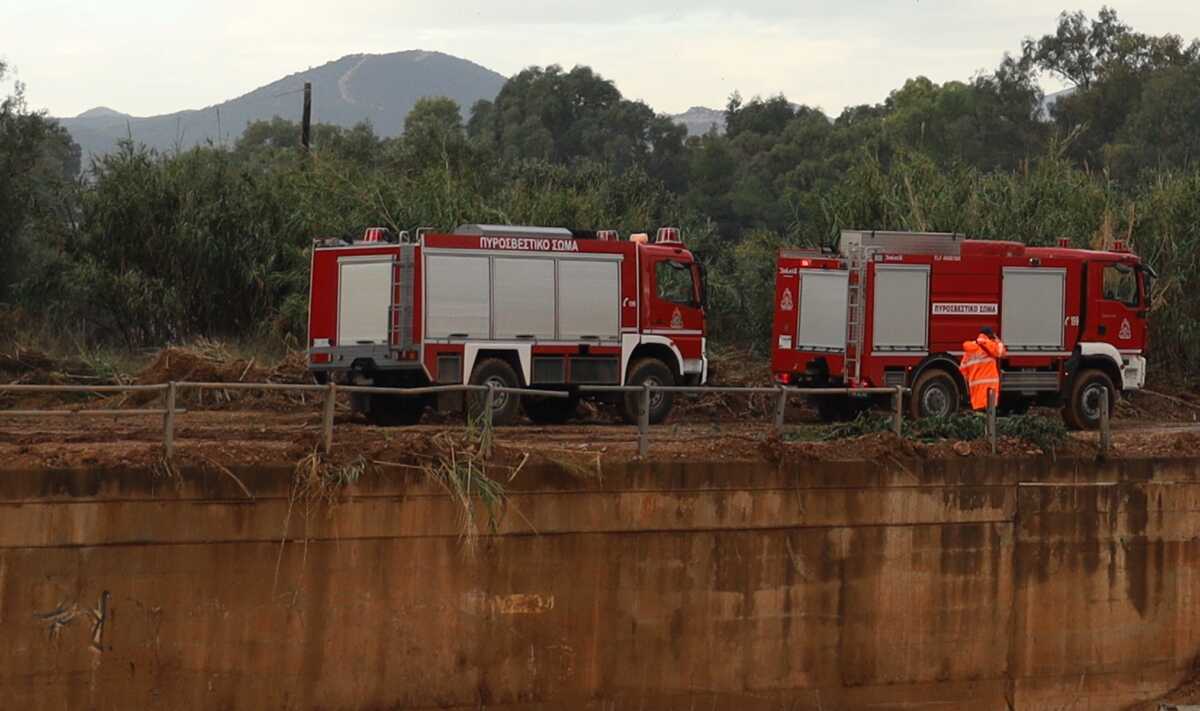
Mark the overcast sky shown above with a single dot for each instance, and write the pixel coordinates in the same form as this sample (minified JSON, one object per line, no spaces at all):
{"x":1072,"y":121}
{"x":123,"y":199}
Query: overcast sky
{"x":148,"y":57}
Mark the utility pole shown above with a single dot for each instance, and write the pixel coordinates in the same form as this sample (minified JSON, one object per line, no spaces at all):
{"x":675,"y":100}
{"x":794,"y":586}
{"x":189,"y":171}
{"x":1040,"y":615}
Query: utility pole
{"x":306,"y":121}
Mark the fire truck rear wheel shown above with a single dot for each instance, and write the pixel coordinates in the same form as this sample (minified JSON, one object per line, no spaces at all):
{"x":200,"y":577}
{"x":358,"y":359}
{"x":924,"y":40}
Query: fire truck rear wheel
{"x":650,"y":371}
{"x":1082,"y":410}
{"x":550,"y":410}
{"x":935,"y":394}
{"x":395,"y":410}
{"x":497,"y":372}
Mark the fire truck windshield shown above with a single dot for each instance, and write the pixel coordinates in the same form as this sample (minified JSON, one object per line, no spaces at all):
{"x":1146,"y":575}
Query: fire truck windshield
{"x":675,"y":282}
{"x":1121,"y":284}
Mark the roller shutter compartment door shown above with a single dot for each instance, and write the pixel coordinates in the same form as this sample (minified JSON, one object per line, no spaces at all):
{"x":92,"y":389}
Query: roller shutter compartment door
{"x":523,"y":297}
{"x":457,"y":296}
{"x":822,"y":312}
{"x":1031,"y":316}
{"x":589,"y":299}
{"x":364,"y":297}
{"x":901,"y":309}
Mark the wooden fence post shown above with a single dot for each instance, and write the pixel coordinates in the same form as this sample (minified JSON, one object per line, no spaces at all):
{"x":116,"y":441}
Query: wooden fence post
{"x":1105,"y":430}
{"x":898,"y":415}
{"x":489,"y":401}
{"x":780,"y":410}
{"x":644,"y":422}
{"x":169,"y":422}
{"x":327,"y":418}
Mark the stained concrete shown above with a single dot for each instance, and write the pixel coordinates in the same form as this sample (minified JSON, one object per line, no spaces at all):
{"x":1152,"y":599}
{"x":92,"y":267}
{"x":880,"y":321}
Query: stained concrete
{"x":968,"y":583}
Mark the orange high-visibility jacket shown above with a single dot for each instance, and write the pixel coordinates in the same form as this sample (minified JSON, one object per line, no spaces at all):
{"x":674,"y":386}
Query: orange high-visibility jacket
{"x":980,"y":367}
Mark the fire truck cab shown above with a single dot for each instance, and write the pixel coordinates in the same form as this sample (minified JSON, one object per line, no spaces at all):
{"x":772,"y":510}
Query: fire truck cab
{"x":894,"y":308}
{"x":512,"y":306}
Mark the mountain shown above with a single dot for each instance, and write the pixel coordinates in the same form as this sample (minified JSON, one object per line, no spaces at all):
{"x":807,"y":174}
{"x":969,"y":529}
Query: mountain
{"x":699,"y":120}
{"x":380,"y":88}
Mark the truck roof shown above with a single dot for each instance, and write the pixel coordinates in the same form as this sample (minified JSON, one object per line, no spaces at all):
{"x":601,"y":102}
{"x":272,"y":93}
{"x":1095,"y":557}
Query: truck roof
{"x":1081,"y":254}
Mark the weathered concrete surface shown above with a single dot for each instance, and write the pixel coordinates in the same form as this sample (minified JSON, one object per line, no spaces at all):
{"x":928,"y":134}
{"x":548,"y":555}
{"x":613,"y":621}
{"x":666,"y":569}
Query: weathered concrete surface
{"x":965,"y":584}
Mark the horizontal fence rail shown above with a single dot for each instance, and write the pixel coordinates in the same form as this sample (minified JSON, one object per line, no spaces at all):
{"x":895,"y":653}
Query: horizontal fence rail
{"x":170,"y":392}
{"x":780,"y":392}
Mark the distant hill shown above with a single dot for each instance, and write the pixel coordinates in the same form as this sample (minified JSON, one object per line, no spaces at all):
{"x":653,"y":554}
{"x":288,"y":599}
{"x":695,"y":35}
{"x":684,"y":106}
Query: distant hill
{"x":381,"y":88}
{"x":699,"y":120}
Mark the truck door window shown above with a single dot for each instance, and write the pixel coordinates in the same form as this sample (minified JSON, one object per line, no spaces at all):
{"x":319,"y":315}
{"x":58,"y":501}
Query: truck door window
{"x":1120,"y":284}
{"x":675,"y":282}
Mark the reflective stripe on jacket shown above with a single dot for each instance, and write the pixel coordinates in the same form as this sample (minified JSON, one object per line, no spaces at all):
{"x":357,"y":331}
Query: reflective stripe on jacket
{"x":980,"y":367}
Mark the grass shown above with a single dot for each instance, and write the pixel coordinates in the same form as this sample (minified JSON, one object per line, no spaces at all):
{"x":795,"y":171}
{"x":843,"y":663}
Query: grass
{"x":1044,"y":432}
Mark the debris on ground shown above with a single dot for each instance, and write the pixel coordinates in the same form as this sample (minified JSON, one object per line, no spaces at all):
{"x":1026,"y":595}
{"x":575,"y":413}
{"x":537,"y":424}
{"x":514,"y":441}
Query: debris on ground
{"x":249,"y":427}
{"x":250,"y":437}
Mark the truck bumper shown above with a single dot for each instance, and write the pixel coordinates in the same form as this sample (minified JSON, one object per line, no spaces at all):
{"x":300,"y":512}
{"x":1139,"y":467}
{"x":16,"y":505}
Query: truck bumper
{"x":695,"y":370}
{"x":1133,"y":372}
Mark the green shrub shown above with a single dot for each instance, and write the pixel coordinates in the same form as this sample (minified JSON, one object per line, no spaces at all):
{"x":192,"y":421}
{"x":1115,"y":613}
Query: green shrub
{"x":1043,"y":432}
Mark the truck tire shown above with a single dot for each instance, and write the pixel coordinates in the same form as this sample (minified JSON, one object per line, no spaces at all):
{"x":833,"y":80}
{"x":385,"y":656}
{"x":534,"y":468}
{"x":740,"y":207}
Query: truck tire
{"x":395,"y":410}
{"x":935,"y":394}
{"x":650,"y":371}
{"x":1082,"y":408}
{"x":550,"y":410}
{"x":494,"y":371}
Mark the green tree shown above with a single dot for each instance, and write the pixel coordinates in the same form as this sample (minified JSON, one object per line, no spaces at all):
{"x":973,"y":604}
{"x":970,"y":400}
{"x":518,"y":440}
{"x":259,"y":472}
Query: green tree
{"x":1164,"y":130}
{"x":1110,"y":66}
{"x":38,"y":163}
{"x":561,"y":117}
{"x":1085,"y":52}
{"x":279,"y":139}
{"x":434,"y":132}
{"x":762,"y":116}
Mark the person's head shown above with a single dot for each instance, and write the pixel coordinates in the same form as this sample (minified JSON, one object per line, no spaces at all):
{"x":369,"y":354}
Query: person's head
{"x":987,"y":331}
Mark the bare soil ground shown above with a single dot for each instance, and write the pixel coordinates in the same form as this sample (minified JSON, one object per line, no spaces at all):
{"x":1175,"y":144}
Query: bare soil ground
{"x":239,"y":437}
{"x":232,"y":427}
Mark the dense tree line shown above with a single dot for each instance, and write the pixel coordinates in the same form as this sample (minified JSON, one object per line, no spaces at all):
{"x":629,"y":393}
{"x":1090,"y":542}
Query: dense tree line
{"x":148,"y":248}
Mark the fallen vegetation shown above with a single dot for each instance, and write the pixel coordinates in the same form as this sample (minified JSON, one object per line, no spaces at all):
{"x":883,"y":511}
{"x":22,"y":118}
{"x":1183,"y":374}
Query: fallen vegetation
{"x":1045,"y":433}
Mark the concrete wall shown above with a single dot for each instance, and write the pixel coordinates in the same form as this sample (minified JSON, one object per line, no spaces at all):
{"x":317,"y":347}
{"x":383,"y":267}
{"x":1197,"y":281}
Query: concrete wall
{"x":822,"y":586}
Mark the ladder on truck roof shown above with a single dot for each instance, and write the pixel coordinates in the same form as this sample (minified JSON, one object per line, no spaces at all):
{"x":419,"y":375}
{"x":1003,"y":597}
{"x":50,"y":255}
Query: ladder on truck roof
{"x":859,"y":247}
{"x":856,"y":313}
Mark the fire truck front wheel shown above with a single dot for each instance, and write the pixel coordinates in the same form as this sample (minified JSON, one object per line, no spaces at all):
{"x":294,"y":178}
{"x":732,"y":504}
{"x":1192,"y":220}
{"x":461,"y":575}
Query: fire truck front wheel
{"x":1082,"y":409}
{"x":498,"y":373}
{"x":935,"y":394}
{"x":648,"y":371}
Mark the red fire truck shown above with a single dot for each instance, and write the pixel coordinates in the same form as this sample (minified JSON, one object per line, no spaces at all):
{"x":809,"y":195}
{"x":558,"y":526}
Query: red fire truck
{"x":539,"y":307}
{"x":894,"y":308}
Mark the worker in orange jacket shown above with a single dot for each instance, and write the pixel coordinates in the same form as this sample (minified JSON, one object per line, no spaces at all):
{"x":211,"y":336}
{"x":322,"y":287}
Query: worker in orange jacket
{"x":980,"y":367}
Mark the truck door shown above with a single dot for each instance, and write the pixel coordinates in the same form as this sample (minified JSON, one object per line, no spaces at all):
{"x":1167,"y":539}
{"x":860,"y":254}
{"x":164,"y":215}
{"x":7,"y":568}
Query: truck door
{"x":673,"y":304}
{"x":1118,"y":312}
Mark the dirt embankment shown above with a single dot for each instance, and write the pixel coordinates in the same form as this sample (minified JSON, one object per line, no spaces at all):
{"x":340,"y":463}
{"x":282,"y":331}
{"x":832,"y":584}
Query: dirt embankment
{"x":239,"y":427}
{"x":240,"y":437}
